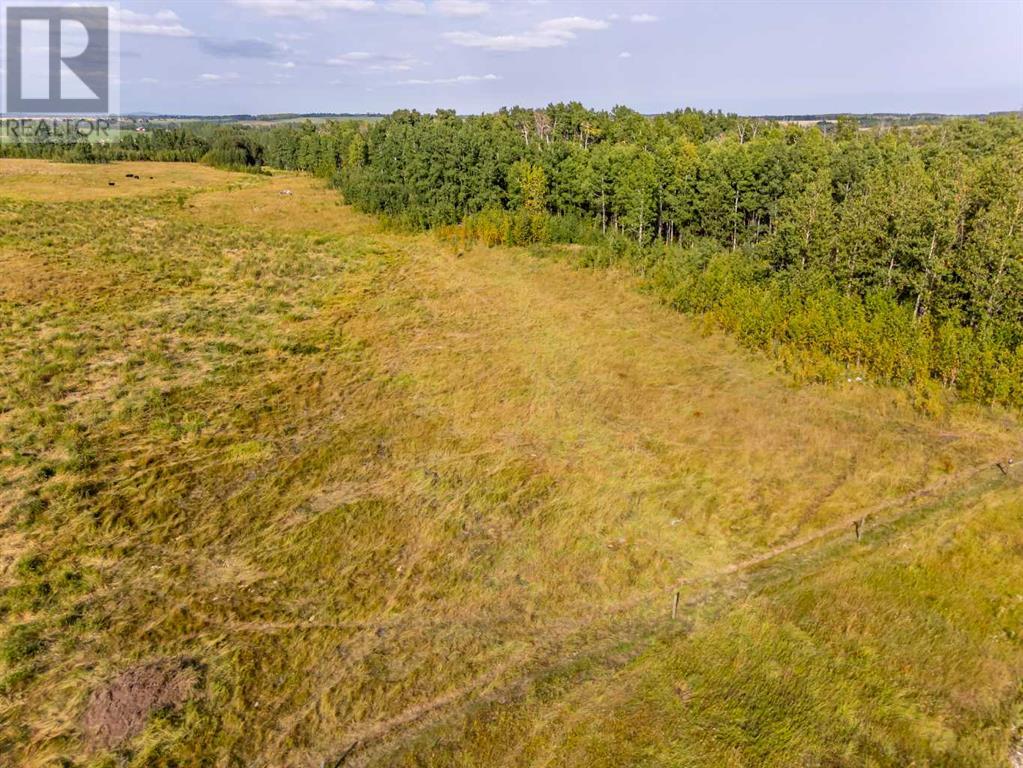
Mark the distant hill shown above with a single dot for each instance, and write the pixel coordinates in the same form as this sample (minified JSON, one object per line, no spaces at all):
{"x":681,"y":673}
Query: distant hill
{"x":881,"y":118}
{"x":282,"y":117}
{"x":278,"y":117}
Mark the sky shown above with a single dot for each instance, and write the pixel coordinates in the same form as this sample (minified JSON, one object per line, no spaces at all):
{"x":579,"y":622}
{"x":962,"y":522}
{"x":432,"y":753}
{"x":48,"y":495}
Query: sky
{"x":267,"y":56}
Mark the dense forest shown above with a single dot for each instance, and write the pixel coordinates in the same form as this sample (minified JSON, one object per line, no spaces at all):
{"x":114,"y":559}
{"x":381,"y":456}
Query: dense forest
{"x":885,"y":254}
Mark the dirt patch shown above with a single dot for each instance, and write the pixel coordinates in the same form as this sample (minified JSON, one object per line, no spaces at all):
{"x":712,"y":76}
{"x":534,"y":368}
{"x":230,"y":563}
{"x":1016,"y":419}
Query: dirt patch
{"x":119,"y":710}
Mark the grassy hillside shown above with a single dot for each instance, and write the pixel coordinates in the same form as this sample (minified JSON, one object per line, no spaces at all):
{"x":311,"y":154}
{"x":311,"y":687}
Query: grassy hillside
{"x":372,"y":501}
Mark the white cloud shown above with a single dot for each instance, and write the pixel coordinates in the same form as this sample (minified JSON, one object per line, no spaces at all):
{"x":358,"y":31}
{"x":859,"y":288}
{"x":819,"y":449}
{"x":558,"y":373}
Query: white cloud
{"x":406,"y":7}
{"x":624,"y":55}
{"x":450,"y":80}
{"x":521,"y":42}
{"x":642,"y":18}
{"x":162,"y":23}
{"x":567,"y":26}
{"x":305,"y":9}
{"x":149,"y":81}
{"x":283,"y":64}
{"x":373,"y":62}
{"x":208,"y":77}
{"x":547,"y":34}
{"x":461,"y":8}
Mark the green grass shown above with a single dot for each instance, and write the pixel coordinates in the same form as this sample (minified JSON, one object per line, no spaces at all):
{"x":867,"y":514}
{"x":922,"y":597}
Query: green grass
{"x":438,"y":503}
{"x":901,"y":650}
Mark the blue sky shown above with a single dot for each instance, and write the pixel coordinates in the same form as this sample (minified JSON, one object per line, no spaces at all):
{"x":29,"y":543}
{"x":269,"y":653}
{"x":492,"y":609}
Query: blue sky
{"x":259,"y":56}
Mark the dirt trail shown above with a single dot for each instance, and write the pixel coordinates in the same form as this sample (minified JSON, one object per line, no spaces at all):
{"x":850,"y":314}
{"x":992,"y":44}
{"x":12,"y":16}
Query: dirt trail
{"x":362,"y":739}
{"x":950,"y":483}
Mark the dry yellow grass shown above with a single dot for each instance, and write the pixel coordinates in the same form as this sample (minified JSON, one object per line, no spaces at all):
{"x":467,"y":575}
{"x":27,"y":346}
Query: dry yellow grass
{"x":435,"y":502}
{"x":290,"y":203}
{"x":58,"y":182}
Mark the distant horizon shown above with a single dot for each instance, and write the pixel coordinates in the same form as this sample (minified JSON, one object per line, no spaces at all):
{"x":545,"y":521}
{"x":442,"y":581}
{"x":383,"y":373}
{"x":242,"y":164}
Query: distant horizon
{"x":763,"y":115}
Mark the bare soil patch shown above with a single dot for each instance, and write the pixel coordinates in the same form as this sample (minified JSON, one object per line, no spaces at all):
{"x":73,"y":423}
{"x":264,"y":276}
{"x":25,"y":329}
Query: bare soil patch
{"x":119,"y":710}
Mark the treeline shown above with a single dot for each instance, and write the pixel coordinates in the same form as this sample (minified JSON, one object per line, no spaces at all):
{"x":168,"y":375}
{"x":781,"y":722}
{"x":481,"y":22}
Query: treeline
{"x":892,"y":254}
{"x":160,"y":144}
{"x":895,"y":255}
{"x":307,"y":146}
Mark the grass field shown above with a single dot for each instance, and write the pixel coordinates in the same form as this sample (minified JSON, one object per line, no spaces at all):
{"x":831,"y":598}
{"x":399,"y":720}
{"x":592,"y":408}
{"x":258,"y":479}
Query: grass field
{"x":392,"y":504}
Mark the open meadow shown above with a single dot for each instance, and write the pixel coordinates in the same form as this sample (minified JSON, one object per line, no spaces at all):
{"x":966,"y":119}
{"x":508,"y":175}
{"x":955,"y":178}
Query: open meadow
{"x":282,"y":487}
